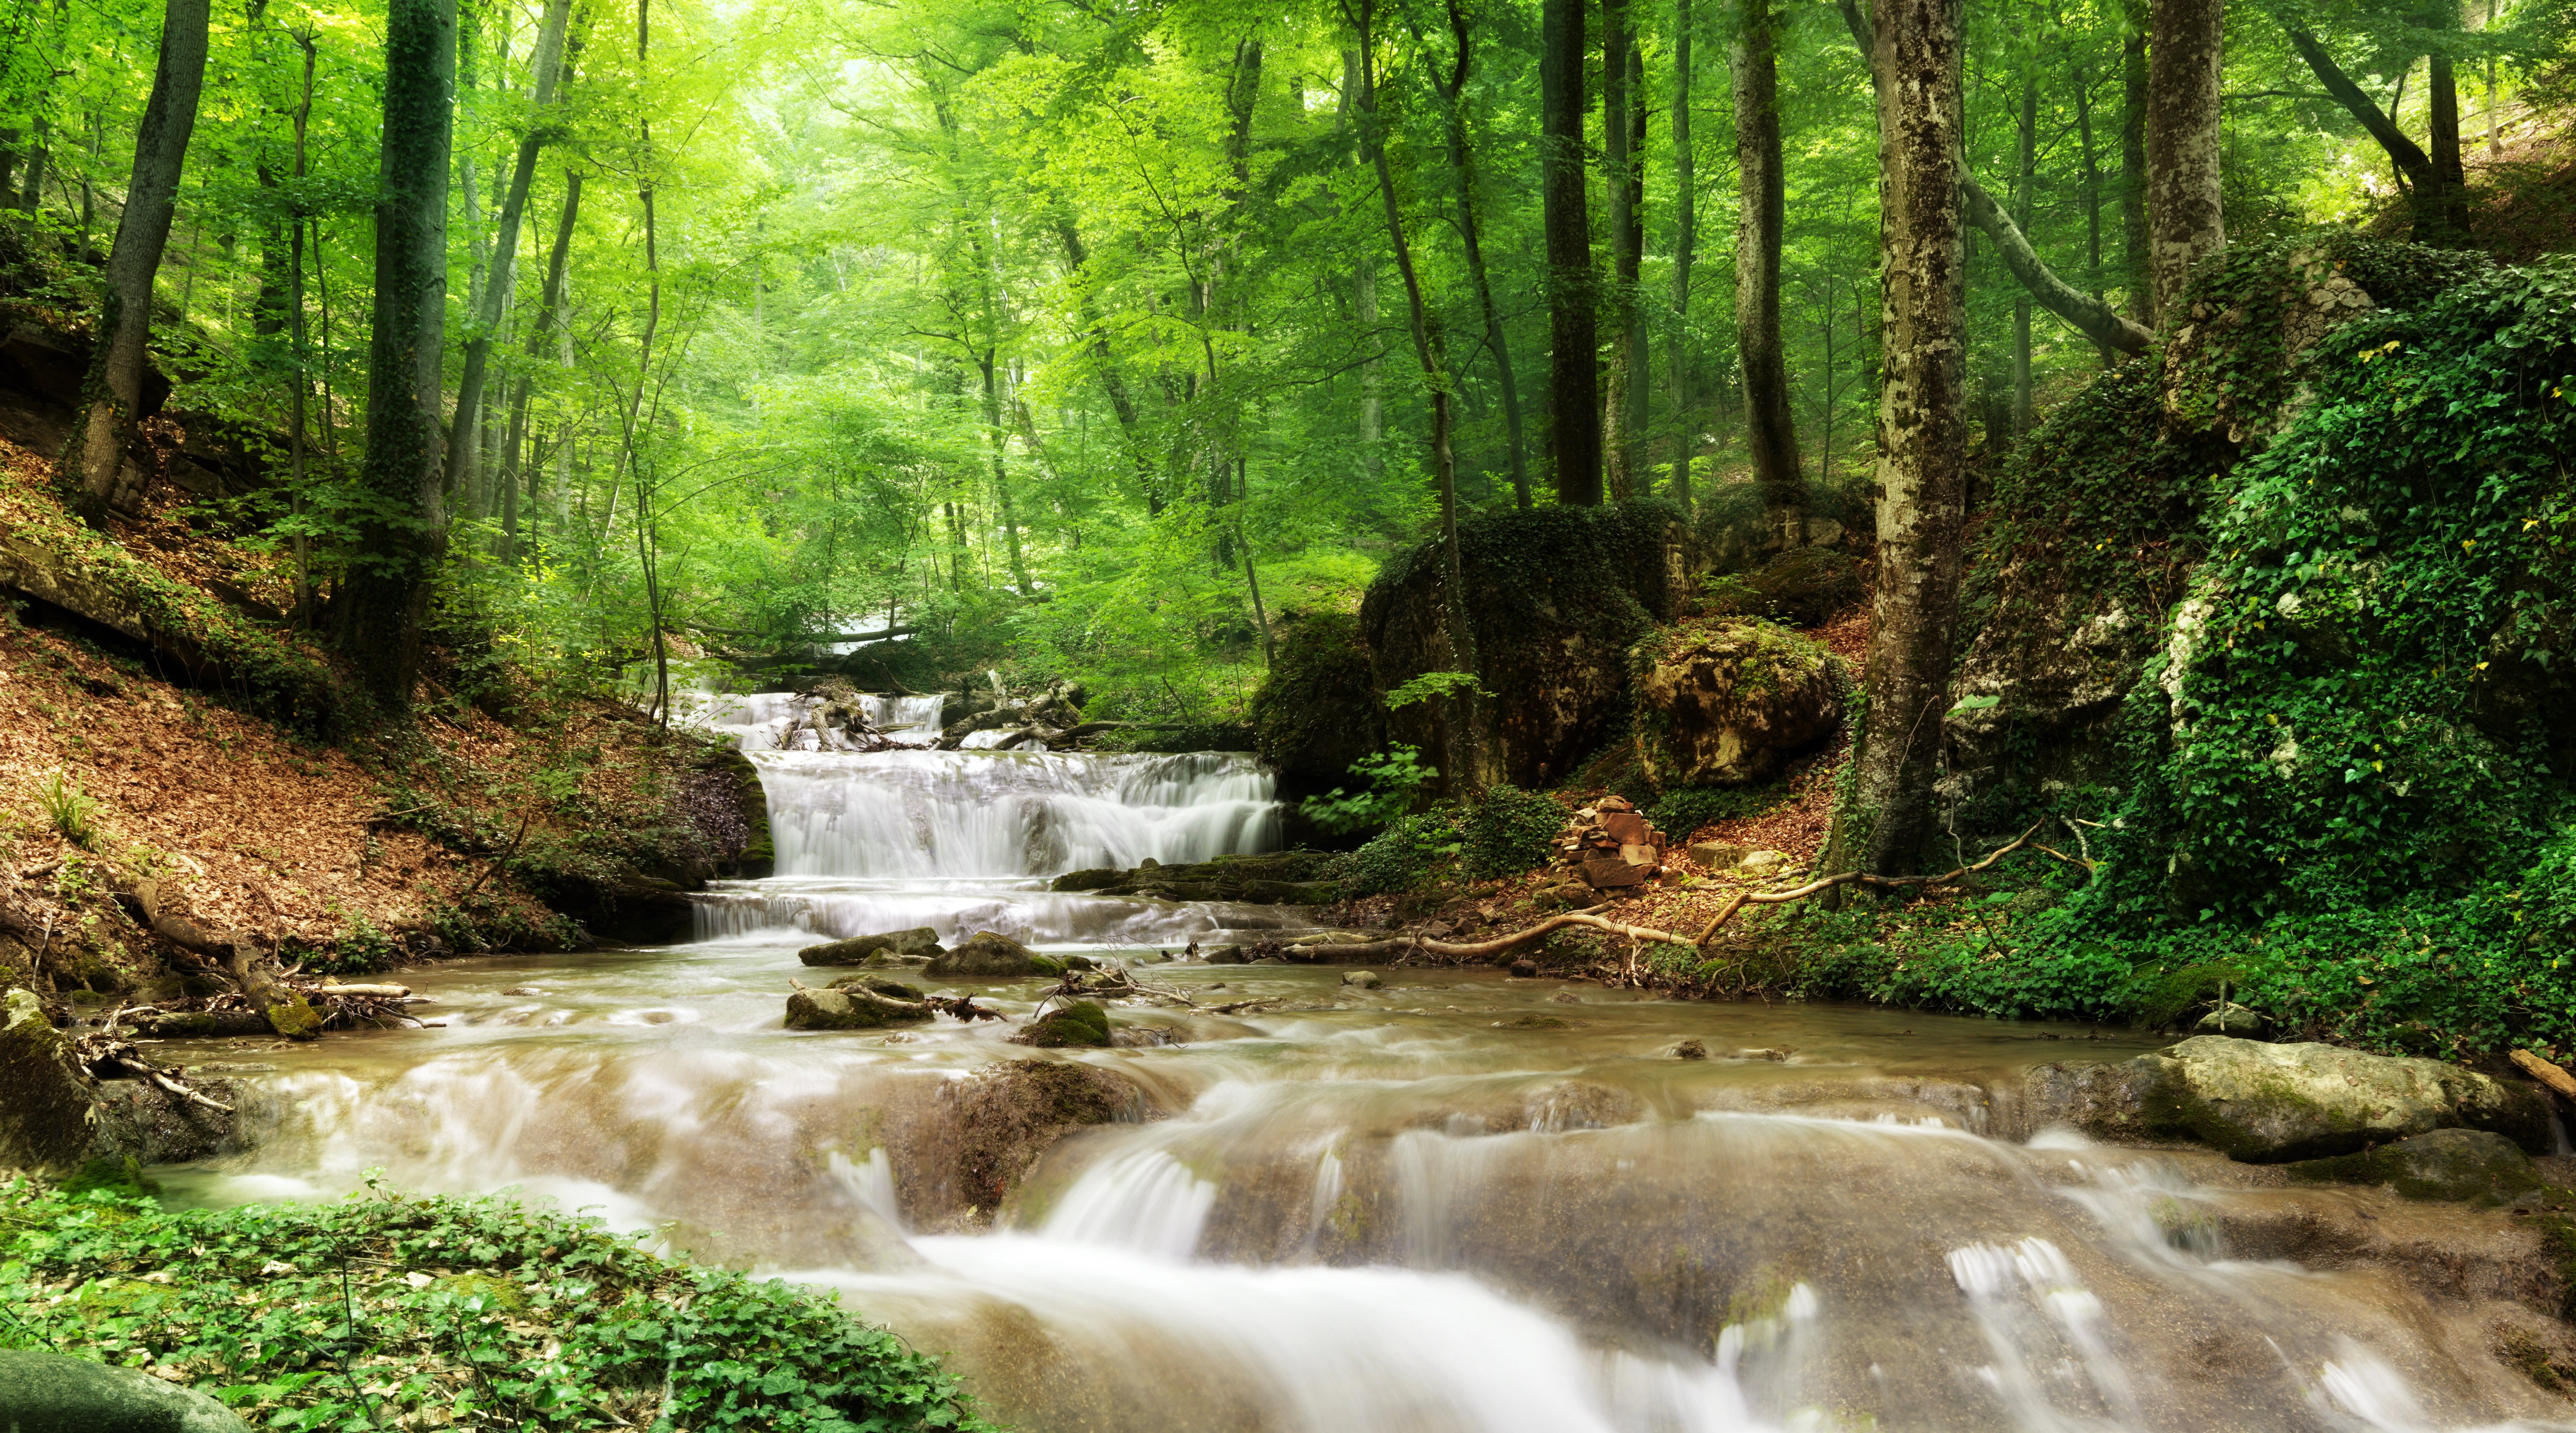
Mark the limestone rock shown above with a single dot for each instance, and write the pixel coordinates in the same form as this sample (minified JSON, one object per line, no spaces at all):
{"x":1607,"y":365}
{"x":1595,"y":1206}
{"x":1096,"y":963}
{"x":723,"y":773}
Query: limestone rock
{"x":1717,"y":855}
{"x":1363,"y":979}
{"x":850,"y":1008}
{"x":52,"y":1393}
{"x":1762,"y":865}
{"x":2474,"y":1165}
{"x":1615,"y":872}
{"x":989,"y":956}
{"x":2230,"y":1019}
{"x":894,"y":947}
{"x":1728,"y":702}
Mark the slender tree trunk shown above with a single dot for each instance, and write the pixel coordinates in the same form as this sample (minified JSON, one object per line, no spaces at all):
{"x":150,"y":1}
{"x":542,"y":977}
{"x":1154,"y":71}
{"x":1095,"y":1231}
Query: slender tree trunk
{"x":2185,"y":223}
{"x":1464,"y":777}
{"x":546,"y":66}
{"x":1105,"y":364}
{"x":549,"y":318}
{"x":305,"y":40}
{"x":2420,"y":175}
{"x":2137,"y":272}
{"x":1922,"y":437}
{"x":1574,"y":360}
{"x":1770,"y":427}
{"x":1364,"y":293}
{"x":643,"y":369}
{"x":2025,"y":180}
{"x":112,"y":394}
{"x":2092,"y":203}
{"x":1622,"y":158}
{"x":998,"y":441}
{"x":1685,"y":246}
{"x":1471,"y":231}
{"x":31,"y":187}
{"x":401,"y":539}
{"x":2450,"y":170}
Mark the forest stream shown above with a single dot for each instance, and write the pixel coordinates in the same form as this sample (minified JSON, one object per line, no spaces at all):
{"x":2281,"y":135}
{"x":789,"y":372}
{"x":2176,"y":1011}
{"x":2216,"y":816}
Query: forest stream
{"x":1457,"y":1201}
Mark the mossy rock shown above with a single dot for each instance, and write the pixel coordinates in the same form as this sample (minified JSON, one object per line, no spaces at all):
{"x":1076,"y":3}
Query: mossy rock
{"x":985,"y":955}
{"x":121,"y":1175}
{"x":1078,"y":1022}
{"x":1806,"y":586}
{"x":1727,"y":702}
{"x":759,"y":854}
{"x":51,"y":1393}
{"x":294,"y":1018}
{"x":44,"y":1098}
{"x":894,"y":947}
{"x":2272,"y":1104}
{"x":1317,"y":711}
{"x":2471,"y":1166}
{"x":878,"y":985}
{"x":856,"y":1008}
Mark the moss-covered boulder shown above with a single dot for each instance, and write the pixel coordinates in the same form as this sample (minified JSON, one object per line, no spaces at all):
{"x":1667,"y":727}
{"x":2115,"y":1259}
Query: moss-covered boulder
{"x":1727,"y":702}
{"x":850,"y":1008}
{"x":877,"y":984}
{"x":987,"y":956}
{"x":1556,"y":596}
{"x":1271,"y":879}
{"x":53,"y":1393}
{"x":894,"y":947}
{"x":1317,"y":711}
{"x":2470,"y":1165}
{"x":1079,"y":1022}
{"x":758,"y":854}
{"x":44,"y":1097}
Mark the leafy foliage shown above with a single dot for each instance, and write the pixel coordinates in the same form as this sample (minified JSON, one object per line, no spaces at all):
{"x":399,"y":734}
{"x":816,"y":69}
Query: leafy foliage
{"x":351,"y":1315}
{"x":1507,"y":831}
{"x":1395,"y":780}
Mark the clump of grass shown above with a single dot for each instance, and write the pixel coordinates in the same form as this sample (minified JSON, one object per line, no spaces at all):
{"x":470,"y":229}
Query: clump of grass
{"x":68,"y":809}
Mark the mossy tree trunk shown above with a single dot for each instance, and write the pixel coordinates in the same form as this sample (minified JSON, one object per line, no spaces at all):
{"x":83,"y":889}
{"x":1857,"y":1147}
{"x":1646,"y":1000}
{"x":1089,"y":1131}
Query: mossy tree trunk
{"x":1770,"y":428}
{"x":1573,"y":361}
{"x":112,"y":395}
{"x":2136,"y":271}
{"x":2183,"y":214}
{"x":402,"y":529}
{"x":1922,"y":435}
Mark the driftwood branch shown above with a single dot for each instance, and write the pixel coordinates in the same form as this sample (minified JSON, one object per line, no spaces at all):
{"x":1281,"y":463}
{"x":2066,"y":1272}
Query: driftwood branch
{"x":1486,"y":949}
{"x":2547,"y":1074}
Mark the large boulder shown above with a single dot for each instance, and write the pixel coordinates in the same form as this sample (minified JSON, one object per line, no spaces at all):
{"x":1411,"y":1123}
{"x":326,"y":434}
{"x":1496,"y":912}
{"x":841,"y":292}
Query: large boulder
{"x":1317,"y":712}
{"x":1555,"y":597}
{"x":2474,"y":1165}
{"x":850,"y":1007}
{"x":894,"y":947}
{"x":52,"y":1393}
{"x":2271,"y":1104}
{"x":1727,"y":702}
{"x":44,"y":1095}
{"x":985,"y":955}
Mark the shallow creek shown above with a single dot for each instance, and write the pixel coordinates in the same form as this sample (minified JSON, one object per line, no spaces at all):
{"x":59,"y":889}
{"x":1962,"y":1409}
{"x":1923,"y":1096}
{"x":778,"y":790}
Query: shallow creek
{"x":1457,"y":1202}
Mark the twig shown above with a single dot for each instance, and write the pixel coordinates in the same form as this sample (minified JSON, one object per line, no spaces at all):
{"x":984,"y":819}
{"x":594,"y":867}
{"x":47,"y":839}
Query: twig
{"x":2061,"y":855}
{"x":1478,"y":950}
{"x":498,"y":861}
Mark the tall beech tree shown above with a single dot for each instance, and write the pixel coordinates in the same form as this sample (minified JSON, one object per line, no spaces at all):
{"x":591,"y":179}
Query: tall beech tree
{"x":1922,"y":435}
{"x":2436,"y":180}
{"x":2185,"y":220}
{"x":1770,"y":429}
{"x":1573,"y":361}
{"x":1623,"y":181}
{"x":403,"y":522}
{"x":1685,"y":253}
{"x":112,"y":394}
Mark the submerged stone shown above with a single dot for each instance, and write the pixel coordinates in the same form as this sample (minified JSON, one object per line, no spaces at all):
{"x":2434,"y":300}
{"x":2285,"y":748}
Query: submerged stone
{"x":894,"y":947}
{"x":990,"y":956}
{"x":51,"y":1393}
{"x":2473,"y":1165}
{"x":1364,"y":979}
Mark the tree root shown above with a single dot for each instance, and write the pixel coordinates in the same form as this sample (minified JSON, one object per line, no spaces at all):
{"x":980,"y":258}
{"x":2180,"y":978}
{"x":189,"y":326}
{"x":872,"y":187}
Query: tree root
{"x":1403,"y":946}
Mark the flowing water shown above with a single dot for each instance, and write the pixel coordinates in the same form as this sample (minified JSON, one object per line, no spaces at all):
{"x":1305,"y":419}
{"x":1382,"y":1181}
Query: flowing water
{"x":1457,"y":1202}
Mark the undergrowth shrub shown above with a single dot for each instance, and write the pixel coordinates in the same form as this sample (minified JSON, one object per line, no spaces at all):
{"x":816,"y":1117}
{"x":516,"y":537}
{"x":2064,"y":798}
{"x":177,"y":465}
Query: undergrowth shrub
{"x":1508,"y":831}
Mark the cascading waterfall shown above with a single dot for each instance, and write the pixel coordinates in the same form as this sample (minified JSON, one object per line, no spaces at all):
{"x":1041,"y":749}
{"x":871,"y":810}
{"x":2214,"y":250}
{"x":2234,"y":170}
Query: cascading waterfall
{"x":759,"y":721}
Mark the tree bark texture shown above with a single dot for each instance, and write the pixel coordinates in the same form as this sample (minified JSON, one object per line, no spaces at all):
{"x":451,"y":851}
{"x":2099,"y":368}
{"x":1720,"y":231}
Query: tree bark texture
{"x":402,"y":527}
{"x":1922,"y":434}
{"x":1623,"y":177}
{"x":1770,"y":430}
{"x":1462,"y":161}
{"x":1574,"y":379}
{"x":2092,"y":161}
{"x":112,"y":396}
{"x":2185,"y":224}
{"x":2137,"y":273}
{"x":550,"y":305}
{"x":1685,"y":247}
{"x":2025,"y":179}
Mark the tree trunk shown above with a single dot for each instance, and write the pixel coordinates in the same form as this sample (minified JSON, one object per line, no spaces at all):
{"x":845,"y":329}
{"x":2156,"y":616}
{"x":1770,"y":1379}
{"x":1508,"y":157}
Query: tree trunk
{"x":2418,"y":173}
{"x":2185,"y":223}
{"x":1685,"y":245}
{"x":546,"y":67}
{"x":1770,"y":430}
{"x":2025,"y":179}
{"x":998,"y":441}
{"x":549,"y":318}
{"x":2449,"y":169}
{"x":1112,"y":382}
{"x":2092,"y":202}
{"x":1471,"y":231}
{"x":112,"y":394}
{"x":2137,"y":272}
{"x":1922,"y":437}
{"x":1464,"y":778}
{"x":387,"y":591}
{"x":1574,"y":360}
{"x":1623,"y":110}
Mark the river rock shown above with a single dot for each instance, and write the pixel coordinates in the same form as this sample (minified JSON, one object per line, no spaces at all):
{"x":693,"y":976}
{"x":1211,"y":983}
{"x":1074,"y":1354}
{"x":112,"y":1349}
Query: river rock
{"x":1363,"y":979}
{"x":1727,"y":702}
{"x":2271,"y":1104}
{"x":2231,"y":1019}
{"x":1076,"y":1022}
{"x":879,"y":985}
{"x":2472,"y":1165}
{"x":44,"y":1101}
{"x":52,"y":1393}
{"x":1226,"y":955}
{"x":894,"y":947}
{"x":992,"y":957}
{"x":850,"y":1008}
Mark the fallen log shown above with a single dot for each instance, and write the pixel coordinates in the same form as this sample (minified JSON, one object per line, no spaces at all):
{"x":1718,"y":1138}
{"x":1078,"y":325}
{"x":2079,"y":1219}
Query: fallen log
{"x":2547,"y":1074}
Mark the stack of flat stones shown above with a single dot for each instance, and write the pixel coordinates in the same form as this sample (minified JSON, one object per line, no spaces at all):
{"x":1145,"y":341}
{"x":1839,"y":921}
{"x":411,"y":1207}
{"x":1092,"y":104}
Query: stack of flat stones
{"x":1612,"y":845}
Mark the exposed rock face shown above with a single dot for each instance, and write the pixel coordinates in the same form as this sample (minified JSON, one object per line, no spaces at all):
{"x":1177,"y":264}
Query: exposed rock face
{"x":850,"y":1007}
{"x":41,"y":1392}
{"x":894,"y":947}
{"x":2471,"y":1165}
{"x":1010,"y":1113}
{"x":1728,"y":702}
{"x":1284,"y":878}
{"x":2270,"y":1104}
{"x":1555,"y":596}
{"x":990,"y":956}
{"x":1317,"y":712}
{"x":44,"y":1098}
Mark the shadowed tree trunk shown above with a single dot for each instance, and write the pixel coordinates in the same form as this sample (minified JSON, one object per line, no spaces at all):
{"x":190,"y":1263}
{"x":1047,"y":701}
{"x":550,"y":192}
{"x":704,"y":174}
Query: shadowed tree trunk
{"x":1770,"y":431}
{"x":401,"y":534}
{"x":1922,"y":435}
{"x":2184,"y":221}
{"x":1573,"y":361}
{"x":1623,"y":112}
{"x":1452,"y":91}
{"x":1685,"y":245}
{"x":2092,"y":161}
{"x":2435,"y":183}
{"x":112,"y":395}
{"x":550,"y":303}
{"x":2135,"y":269}
{"x":2025,"y":179}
